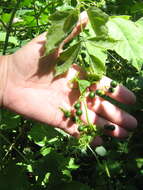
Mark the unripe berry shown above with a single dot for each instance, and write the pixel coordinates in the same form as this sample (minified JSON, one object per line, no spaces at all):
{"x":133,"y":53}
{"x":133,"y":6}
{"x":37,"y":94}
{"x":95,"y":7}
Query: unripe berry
{"x":80,"y":128}
{"x":77,"y":105}
{"x":67,"y":114}
{"x":113,"y":84}
{"x":79,"y":112}
{"x":100,"y":92}
{"x":92,"y":94}
{"x":111,"y":89}
{"x":83,"y":55}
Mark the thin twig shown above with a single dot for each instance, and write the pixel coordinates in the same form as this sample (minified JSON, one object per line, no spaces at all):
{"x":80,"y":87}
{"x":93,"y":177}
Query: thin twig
{"x":12,"y":146}
{"x":4,"y":25}
{"x":9,"y":26}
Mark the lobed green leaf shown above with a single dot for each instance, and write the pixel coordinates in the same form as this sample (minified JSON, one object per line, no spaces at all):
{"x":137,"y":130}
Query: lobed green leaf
{"x":98,"y":19}
{"x":66,"y":59}
{"x":62,"y":24}
{"x":96,"y":58}
{"x":129,"y":38}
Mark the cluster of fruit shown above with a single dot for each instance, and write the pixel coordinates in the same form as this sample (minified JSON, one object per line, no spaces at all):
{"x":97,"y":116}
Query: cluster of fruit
{"x":89,"y":128}
{"x":101,"y":92}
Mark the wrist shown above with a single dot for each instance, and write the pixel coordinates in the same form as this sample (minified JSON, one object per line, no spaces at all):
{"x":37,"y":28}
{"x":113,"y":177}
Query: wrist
{"x":3,"y":77}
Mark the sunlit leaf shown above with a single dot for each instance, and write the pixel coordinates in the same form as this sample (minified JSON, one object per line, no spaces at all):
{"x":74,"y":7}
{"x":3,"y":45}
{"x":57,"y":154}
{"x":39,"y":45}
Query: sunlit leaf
{"x":62,"y":24}
{"x":129,"y":36}
{"x":12,"y":39}
{"x":96,"y":58}
{"x":98,"y":20}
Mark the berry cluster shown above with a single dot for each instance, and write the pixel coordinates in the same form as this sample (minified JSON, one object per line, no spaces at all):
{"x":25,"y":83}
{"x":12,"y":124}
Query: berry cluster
{"x":113,"y":85}
{"x":89,"y":128}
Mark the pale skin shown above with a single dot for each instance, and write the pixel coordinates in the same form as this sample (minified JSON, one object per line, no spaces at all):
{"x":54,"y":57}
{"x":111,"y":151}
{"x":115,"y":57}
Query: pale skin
{"x":28,"y":87}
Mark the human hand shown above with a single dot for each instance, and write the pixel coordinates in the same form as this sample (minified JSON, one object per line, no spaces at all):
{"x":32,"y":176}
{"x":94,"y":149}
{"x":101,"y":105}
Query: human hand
{"x":31,"y":90}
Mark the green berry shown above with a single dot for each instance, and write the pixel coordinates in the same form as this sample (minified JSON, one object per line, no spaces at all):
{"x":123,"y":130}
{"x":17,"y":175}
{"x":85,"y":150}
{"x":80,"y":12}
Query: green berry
{"x":111,"y":89}
{"x":83,"y":55}
{"x":80,"y":128}
{"x":79,"y":112}
{"x":75,"y":118}
{"x":109,"y":127}
{"x":67,"y":114}
{"x":86,"y":64}
{"x":100,"y":92}
{"x":91,"y":133}
{"x":92,"y":94}
{"x":77,"y":105}
{"x":113,"y":84}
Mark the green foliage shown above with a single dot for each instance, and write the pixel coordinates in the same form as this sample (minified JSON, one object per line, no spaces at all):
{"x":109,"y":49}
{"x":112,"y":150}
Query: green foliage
{"x":71,"y":186}
{"x":83,"y":84}
{"x":13,"y":176}
{"x":97,"y":61}
{"x":128,"y":36}
{"x":98,"y":20}
{"x":66,"y":59}
{"x":12,"y":39}
{"x":62,"y":24}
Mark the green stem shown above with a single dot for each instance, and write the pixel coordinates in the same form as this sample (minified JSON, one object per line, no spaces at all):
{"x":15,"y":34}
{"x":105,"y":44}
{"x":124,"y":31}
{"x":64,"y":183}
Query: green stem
{"x":86,"y":112}
{"x":114,"y":58}
{"x":9,"y":26}
{"x":36,"y":17}
{"x":100,"y":165}
{"x":4,"y":25}
{"x":107,"y":169}
{"x":20,"y":28}
{"x":12,"y":146}
{"x":92,"y":67}
{"x":95,"y":155}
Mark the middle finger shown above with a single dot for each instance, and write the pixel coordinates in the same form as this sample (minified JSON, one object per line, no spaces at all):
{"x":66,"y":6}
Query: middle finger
{"x":112,"y":113}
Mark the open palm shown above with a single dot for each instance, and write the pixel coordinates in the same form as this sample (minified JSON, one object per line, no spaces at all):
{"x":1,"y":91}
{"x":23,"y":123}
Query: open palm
{"x":32,"y":90}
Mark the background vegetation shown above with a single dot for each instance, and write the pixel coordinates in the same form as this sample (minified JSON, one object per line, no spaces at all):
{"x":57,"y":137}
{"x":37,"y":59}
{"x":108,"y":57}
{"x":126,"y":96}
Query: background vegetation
{"x":34,"y":156}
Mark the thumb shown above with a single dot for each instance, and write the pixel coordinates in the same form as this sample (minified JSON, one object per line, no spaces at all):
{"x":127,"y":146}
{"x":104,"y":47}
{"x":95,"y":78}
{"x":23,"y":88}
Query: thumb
{"x":82,"y":22}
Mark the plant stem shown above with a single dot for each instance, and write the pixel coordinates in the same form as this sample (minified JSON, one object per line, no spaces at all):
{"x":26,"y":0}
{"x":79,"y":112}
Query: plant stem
{"x":95,"y":156}
{"x":12,"y":146}
{"x":107,"y":169}
{"x":4,"y":25}
{"x":86,"y":111}
{"x":9,"y":26}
